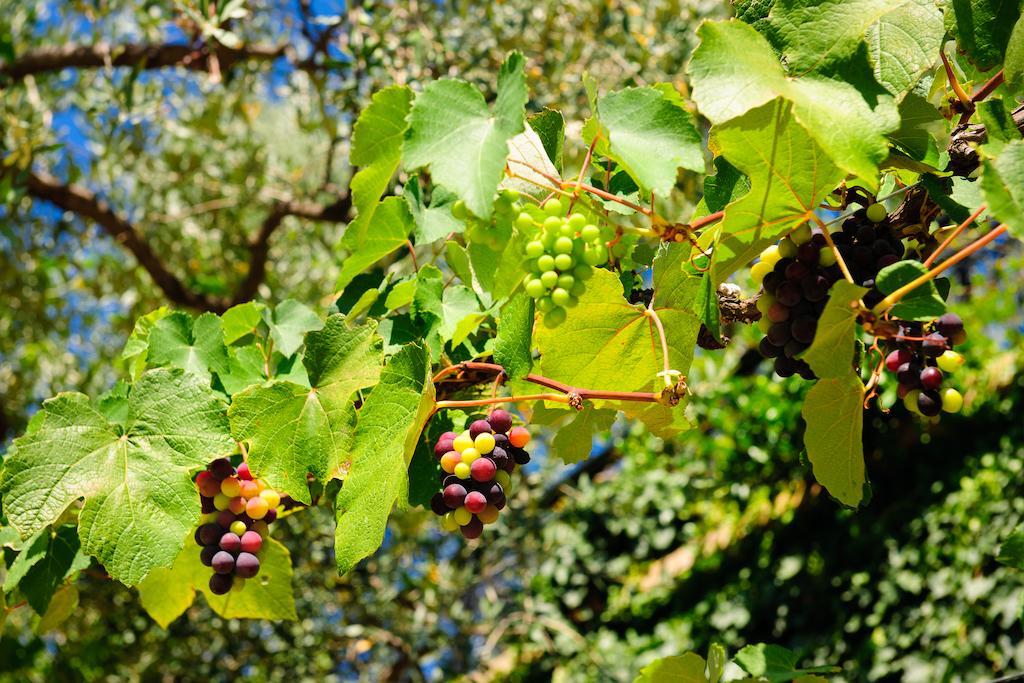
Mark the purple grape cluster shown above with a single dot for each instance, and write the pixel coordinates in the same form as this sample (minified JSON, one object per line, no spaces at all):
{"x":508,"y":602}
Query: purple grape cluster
{"x":920,"y":355}
{"x":476,"y":472}
{"x":237,"y":512}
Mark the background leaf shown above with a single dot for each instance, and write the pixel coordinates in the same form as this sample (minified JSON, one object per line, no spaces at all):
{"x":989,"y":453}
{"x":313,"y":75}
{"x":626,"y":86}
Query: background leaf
{"x":834,"y":413}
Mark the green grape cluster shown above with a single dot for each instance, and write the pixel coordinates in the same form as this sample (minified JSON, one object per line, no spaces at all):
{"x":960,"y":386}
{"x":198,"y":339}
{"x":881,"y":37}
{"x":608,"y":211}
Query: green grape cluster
{"x":561,"y":252}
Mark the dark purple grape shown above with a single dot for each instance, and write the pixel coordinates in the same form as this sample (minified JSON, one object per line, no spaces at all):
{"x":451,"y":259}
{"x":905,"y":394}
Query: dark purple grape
{"x":767,"y":349}
{"x":438,"y":505}
{"x":882,"y":248}
{"x":501,"y":440}
{"x":442,"y":447}
{"x":454,"y":496}
{"x":473,"y":529}
{"x":247,"y":565}
{"x":933,"y":345}
{"x":777,"y":313}
{"x":819,"y":241}
{"x":931,"y":378}
{"x":778,"y":333}
{"x":500,"y":420}
{"x":789,"y":294}
{"x":804,"y":370}
{"x":885,"y":260}
{"x":223,"y":562}
{"x":909,"y":374}
{"x":499,"y":502}
{"x":866,"y":234}
{"x":230,"y":542}
{"x":520,"y":456}
{"x":479,"y":427}
{"x":270,"y":517}
{"x":207,"y":553}
{"x":220,"y":584}
{"x":808,"y":253}
{"x":862,"y":256}
{"x":929,"y":403}
{"x":206,"y":505}
{"x":221,"y":468}
{"x":493,"y":492}
{"x":794,"y":348}
{"x":951,"y":327}
{"x":448,"y":480}
{"x":839,"y":238}
{"x":501,"y":458}
{"x":771,"y":282}
{"x":815,"y":287}
{"x":797,"y":271}
{"x":785,"y":367}
{"x":208,"y":534}
{"x":803,"y":329}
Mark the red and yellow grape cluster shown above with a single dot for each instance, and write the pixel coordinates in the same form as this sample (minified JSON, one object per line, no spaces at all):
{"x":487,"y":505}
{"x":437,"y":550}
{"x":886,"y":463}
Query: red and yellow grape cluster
{"x":920,"y":356}
{"x":237,"y":512}
{"x":476,"y":475}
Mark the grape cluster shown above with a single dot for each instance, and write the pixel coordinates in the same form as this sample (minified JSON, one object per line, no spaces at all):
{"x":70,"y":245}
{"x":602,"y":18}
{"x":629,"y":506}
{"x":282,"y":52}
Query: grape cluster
{"x":237,"y":512}
{"x":920,"y":355}
{"x":476,"y":475}
{"x":561,"y":252}
{"x":798,"y":272}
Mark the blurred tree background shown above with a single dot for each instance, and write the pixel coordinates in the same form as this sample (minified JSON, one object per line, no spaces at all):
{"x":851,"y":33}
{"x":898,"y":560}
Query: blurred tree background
{"x":142,"y":168}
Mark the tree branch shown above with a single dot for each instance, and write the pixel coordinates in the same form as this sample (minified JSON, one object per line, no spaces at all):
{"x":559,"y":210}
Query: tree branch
{"x":147,"y":56}
{"x":86,"y":204}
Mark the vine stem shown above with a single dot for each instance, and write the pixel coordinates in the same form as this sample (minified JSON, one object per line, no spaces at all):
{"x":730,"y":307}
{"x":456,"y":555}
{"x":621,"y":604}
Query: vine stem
{"x":666,"y":371}
{"x":987,"y":89}
{"x":952,"y":236}
{"x":583,"y":170}
{"x":888,"y":301}
{"x":583,"y":186}
{"x":441,"y":405}
{"x":954,"y":83}
{"x":705,"y":220}
{"x":835,"y":249}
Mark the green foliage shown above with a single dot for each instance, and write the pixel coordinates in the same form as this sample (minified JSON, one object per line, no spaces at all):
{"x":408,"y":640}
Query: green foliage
{"x":831,"y":353}
{"x":513,"y":342}
{"x":982,"y":28}
{"x":833,"y":411}
{"x":1003,"y":186}
{"x":923,"y":303}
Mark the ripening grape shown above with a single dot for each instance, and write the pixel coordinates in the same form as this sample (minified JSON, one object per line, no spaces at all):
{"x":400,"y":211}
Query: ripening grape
{"x":250,"y":489}
{"x":243,"y":471}
{"x":221,"y":502}
{"x":489,"y":515}
{"x":237,"y":527}
{"x":220,"y":584}
{"x":272,"y":497}
{"x":475,"y":501}
{"x":462,"y":442}
{"x":257,"y":508}
{"x":237,"y":505}
{"x":950,"y":361}
{"x":247,"y":565}
{"x":479,"y":427}
{"x":231,"y":487}
{"x":472,"y":529}
{"x":450,"y":460}
{"x":469,"y":455}
{"x":500,"y":421}
{"x":462,"y":471}
{"x":484,"y":443}
{"x":462,"y":516}
{"x":519,"y":436}
{"x":208,"y":486}
{"x":483,"y":469}
{"x":223,"y":562}
{"x":230,"y":542}
{"x":952,"y":400}
{"x":876,"y":212}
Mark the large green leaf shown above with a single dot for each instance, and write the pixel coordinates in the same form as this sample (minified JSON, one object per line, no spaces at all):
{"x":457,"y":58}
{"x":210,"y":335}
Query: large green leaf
{"x":923,"y":303}
{"x":137,"y":346}
{"x":513,"y":344}
{"x":735,"y":70}
{"x":775,"y":664}
{"x":789,"y":175}
{"x":549,"y":125}
{"x":195,"y":346}
{"x":169,"y":591}
{"x":831,"y":353}
{"x":574,"y":441}
{"x":650,"y":135}
{"x":982,"y":28}
{"x":452,"y":131}
{"x":292,"y":430}
{"x":389,"y":425}
{"x":834,"y":413}
{"x":289,"y":322}
{"x":1013,"y":66}
{"x":686,"y":668}
{"x":1002,"y":183}
{"x":140,"y":501}
{"x":902,"y":37}
{"x":377,"y":148}
{"x":46,"y":560}
{"x":242,"y":321}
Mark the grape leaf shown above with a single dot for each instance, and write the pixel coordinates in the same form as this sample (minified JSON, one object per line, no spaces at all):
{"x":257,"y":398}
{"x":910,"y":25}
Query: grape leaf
{"x":902,"y":37}
{"x":574,"y":441}
{"x":452,"y":131}
{"x":435,"y":220}
{"x":650,"y":135}
{"x":40,"y":568}
{"x":1013,"y":65}
{"x":514,"y":341}
{"x":168,"y":591}
{"x":1011,"y":552}
{"x":753,"y":12}
{"x":1002,"y":183}
{"x":923,"y":303}
{"x":195,"y":346}
{"x":59,"y":609}
{"x":686,"y":668}
{"x":831,"y":352}
{"x":246,"y":367}
{"x":389,"y":425}
{"x":735,"y":70}
{"x":289,"y":322}
{"x":242,"y":321}
{"x":982,"y":28}
{"x":424,"y":470}
{"x":549,"y":125}
{"x":725,"y":186}
{"x":377,"y":148}
{"x":789,"y":175}
{"x":529,"y":160}
{"x":292,"y":430}
{"x":135,"y":349}
{"x":834,"y":413}
{"x":920,"y":124}
{"x":140,"y":501}
{"x":717,"y":661}
{"x":774,"y":663}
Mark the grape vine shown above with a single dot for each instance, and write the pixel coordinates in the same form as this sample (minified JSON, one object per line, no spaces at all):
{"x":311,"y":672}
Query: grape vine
{"x":482,"y":273}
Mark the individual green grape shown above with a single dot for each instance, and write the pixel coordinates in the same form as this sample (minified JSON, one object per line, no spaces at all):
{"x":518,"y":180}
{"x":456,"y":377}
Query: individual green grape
{"x":534,"y":248}
{"x":577,"y":289}
{"x":549,"y":278}
{"x":553,"y":207}
{"x":826,"y":257}
{"x":876,"y":213}
{"x":573,"y":302}
{"x":546,"y":262}
{"x":524,"y":221}
{"x":759,"y":270}
{"x":563,"y":245}
{"x":554,"y":317}
{"x":771,"y":255}
{"x":552,"y":224}
{"x":459,"y":210}
{"x":545,"y":304}
{"x":566,"y":281}
{"x":564,"y":262}
{"x":577,"y":221}
{"x":595,"y":255}
{"x":535,"y":287}
{"x":590,"y":233}
{"x":560,"y":296}
{"x":619,"y":250}
{"x":787,"y":248}
{"x":567,"y":230}
{"x":801,"y":235}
